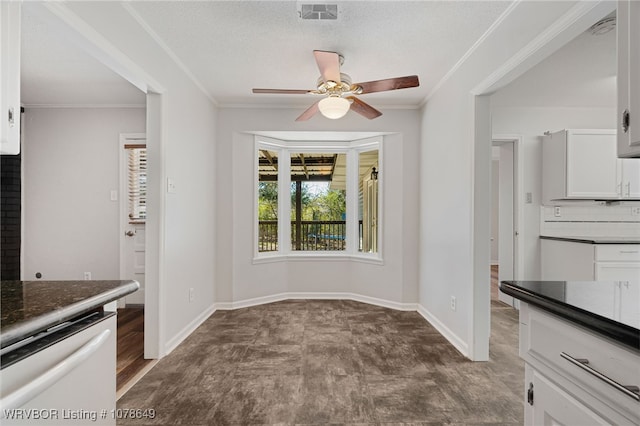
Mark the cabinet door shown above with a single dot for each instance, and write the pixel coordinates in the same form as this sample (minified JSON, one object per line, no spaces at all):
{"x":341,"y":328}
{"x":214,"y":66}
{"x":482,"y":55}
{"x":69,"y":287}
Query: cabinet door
{"x":553,"y":406}
{"x":628,"y":15}
{"x":617,"y":271}
{"x":630,"y":178}
{"x":634,"y":76}
{"x":593,"y":170}
{"x":9,"y":77}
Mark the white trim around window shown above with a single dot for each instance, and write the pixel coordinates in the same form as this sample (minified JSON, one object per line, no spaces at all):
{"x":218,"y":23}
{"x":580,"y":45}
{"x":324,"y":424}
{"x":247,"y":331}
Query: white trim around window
{"x":352,"y":149}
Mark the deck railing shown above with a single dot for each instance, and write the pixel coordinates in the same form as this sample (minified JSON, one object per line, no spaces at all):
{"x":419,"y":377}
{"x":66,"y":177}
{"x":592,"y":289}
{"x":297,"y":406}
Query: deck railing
{"x":314,"y":235}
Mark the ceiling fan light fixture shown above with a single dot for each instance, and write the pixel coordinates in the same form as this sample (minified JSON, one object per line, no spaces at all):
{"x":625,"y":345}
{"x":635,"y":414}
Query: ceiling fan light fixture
{"x":334,"y":107}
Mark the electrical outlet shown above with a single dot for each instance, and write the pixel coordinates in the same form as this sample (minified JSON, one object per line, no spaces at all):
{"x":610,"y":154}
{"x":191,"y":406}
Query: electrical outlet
{"x":556,"y":211}
{"x":87,"y":275}
{"x":635,"y":211}
{"x":453,"y":303}
{"x":191,"y":294}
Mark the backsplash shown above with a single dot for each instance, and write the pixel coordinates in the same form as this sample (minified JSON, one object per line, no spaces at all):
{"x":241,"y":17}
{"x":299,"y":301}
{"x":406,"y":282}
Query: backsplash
{"x":604,"y":221}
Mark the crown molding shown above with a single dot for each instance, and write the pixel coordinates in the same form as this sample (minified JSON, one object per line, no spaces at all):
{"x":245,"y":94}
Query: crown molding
{"x":83,"y":106}
{"x":471,"y":50}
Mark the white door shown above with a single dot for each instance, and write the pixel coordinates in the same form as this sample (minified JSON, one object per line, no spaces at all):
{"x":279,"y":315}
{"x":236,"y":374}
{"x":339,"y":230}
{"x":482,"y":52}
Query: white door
{"x":132,"y":226}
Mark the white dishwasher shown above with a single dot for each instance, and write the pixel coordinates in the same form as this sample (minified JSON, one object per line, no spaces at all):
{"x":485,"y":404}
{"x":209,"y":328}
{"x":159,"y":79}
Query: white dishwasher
{"x":70,"y":382}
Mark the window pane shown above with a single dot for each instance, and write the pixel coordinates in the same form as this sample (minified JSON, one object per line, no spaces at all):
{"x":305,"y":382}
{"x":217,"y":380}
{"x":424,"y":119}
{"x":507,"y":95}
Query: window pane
{"x":137,"y":182}
{"x":368,"y":201}
{"x":318,"y":201}
{"x":267,"y":200}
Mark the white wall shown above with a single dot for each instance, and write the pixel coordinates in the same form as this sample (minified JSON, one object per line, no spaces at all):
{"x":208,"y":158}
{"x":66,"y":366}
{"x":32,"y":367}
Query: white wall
{"x":531,"y":123}
{"x":181,"y":130}
{"x":240,"y":280}
{"x":454,"y":218}
{"x":70,"y":166}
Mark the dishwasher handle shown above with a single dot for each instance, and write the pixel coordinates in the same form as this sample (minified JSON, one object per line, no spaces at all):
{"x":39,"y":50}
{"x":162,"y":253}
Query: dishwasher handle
{"x":41,"y":383}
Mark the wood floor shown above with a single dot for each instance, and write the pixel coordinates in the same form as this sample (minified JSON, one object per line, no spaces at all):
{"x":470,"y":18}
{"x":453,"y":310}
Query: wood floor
{"x":494,"y":282}
{"x":130,"y":345}
{"x":312,"y":362}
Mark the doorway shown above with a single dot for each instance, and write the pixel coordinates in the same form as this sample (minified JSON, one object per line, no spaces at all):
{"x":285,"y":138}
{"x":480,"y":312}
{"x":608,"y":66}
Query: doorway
{"x":505,"y":212}
{"x":133,"y":213}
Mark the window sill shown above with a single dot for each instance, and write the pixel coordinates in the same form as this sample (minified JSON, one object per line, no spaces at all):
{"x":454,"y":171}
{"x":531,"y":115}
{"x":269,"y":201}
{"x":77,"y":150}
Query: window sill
{"x":317,"y":257}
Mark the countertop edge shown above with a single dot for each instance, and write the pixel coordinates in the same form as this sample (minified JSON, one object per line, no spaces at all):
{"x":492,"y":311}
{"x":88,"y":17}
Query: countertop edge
{"x":621,"y":333}
{"x":13,"y":334}
{"x":589,"y":240}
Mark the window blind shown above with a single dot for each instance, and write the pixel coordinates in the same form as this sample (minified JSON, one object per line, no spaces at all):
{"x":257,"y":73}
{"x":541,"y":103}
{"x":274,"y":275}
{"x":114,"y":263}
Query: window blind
{"x":137,"y":182}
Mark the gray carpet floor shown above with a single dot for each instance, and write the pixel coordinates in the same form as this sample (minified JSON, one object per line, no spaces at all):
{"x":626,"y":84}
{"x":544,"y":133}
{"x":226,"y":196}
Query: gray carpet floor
{"x":313,"y":362}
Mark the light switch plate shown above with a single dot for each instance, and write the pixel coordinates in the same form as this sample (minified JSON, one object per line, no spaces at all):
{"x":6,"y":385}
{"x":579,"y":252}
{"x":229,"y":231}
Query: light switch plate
{"x":171,"y":186}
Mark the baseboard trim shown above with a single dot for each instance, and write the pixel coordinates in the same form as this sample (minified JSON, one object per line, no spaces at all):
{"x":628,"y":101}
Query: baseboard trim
{"x":188,"y":329}
{"x":453,"y":338}
{"x":315,"y":296}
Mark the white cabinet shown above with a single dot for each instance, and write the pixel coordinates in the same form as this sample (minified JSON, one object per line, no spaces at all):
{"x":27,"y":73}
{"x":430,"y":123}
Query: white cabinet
{"x":628,"y":16}
{"x":72,"y":382}
{"x":576,"y":261}
{"x":553,"y":406}
{"x":630,"y":178}
{"x":582,"y":165}
{"x":617,"y":262}
{"x":574,"y":376}
{"x":9,"y":77}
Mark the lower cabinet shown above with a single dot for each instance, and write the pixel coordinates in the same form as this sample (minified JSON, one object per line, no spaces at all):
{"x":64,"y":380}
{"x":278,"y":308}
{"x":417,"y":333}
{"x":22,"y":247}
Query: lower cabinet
{"x":576,"y":261}
{"x":552,"y":405}
{"x":574,"y":376}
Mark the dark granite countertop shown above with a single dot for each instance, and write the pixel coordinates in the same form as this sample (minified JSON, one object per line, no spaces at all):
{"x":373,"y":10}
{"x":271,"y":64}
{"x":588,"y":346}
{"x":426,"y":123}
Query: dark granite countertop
{"x":595,"y":240}
{"x":610,"y":308}
{"x":29,"y":307}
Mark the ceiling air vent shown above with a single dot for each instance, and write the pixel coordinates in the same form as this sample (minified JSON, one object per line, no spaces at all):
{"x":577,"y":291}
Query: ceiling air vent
{"x":319,"y":11}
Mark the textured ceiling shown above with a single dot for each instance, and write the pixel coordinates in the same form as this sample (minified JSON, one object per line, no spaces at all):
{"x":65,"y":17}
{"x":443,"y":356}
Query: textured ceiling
{"x":232,"y":46}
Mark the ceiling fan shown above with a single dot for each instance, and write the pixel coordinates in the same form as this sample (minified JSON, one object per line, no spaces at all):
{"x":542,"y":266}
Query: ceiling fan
{"x":338,"y":91}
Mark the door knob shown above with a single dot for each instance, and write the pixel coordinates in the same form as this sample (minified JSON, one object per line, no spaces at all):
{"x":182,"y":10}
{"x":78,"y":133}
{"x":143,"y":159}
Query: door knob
{"x":130,"y":233}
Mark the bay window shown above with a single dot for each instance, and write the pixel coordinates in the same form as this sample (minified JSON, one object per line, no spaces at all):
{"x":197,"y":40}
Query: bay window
{"x":317,"y":198}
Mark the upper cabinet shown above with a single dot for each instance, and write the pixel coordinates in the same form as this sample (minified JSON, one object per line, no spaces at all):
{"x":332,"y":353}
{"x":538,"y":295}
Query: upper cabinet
{"x":628,"y":17}
{"x":582,"y":165}
{"x":10,"y":77}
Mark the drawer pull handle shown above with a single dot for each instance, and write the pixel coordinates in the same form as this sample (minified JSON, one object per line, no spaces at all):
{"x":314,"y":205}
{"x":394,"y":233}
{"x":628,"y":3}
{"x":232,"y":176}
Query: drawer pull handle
{"x":629,"y":251}
{"x":631,"y":391}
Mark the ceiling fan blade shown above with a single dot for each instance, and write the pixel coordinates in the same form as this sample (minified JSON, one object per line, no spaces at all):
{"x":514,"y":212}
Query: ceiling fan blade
{"x":364,"y":108}
{"x":389,"y":84}
{"x":310,"y":112}
{"x":282,"y":91}
{"x":328,"y":64}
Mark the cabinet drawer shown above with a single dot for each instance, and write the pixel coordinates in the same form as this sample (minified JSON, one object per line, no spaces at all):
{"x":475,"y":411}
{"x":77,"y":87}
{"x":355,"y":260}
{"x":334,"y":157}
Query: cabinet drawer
{"x":617,"y":252}
{"x":548,"y":337}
